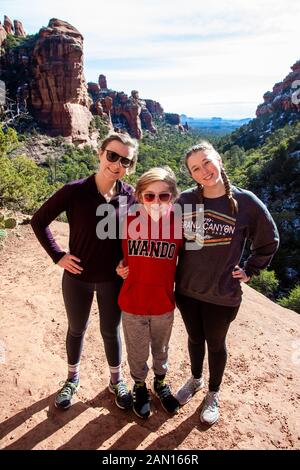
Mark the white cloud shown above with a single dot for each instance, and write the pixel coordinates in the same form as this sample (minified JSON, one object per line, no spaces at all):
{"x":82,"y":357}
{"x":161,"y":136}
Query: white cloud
{"x":180,"y":53}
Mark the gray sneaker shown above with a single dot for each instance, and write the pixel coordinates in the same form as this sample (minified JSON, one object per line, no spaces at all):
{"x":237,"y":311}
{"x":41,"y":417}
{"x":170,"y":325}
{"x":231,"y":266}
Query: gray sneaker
{"x":64,"y":397}
{"x":210,"y":410}
{"x":188,"y":390}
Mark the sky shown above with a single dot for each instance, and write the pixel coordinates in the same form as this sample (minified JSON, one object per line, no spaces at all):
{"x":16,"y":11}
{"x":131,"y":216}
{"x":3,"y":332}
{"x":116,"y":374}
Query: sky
{"x":199,"y":58}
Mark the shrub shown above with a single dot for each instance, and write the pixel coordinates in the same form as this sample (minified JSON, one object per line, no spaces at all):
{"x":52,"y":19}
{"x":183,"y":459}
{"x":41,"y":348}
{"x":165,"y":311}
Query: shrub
{"x":292,"y":301}
{"x":265,"y":283}
{"x":23,"y":185}
{"x":8,"y":140}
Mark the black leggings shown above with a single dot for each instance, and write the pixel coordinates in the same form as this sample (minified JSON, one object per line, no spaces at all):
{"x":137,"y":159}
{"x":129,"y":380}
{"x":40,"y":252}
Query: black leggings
{"x":78,"y":297}
{"x":210,"y":323}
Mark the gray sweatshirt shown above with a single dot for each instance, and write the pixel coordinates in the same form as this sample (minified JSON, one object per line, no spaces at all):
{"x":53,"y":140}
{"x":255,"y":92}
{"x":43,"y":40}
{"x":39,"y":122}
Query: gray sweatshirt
{"x":206,"y":273}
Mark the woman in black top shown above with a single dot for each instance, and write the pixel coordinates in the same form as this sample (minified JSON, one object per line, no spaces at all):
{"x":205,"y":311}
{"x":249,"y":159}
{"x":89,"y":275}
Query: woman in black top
{"x":90,"y":204}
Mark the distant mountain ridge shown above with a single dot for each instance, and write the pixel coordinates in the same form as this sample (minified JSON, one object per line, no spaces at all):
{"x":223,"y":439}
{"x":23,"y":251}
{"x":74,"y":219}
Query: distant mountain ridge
{"x":214,"y":125}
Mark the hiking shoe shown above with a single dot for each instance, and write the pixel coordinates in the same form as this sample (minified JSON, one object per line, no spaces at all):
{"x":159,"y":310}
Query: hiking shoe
{"x":123,"y":397}
{"x":210,"y":412}
{"x":188,"y":390}
{"x":164,"y":394}
{"x":141,"y":400}
{"x":64,"y":397}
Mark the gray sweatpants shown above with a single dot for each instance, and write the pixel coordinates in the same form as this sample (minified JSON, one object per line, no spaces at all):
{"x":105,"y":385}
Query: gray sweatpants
{"x":141,"y":331}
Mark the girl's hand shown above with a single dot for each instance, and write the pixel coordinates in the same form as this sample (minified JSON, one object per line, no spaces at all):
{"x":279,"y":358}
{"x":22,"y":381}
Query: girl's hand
{"x":68,"y":262}
{"x":122,"y":270}
{"x":239,"y":273}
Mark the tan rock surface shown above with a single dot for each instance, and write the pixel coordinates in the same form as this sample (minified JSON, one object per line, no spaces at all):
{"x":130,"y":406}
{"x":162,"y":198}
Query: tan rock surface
{"x":259,"y":399}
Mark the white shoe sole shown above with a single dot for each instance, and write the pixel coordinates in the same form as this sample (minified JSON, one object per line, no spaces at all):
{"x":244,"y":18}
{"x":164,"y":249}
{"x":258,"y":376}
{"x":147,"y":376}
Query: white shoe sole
{"x":209,"y":423}
{"x":140,"y":416}
{"x":59,"y":407}
{"x":121,"y":407}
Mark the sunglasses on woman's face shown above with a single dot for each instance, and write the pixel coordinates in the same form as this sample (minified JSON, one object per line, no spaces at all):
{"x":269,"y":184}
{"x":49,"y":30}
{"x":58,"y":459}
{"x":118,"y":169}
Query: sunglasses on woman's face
{"x":163,"y":197}
{"x":114,"y":157}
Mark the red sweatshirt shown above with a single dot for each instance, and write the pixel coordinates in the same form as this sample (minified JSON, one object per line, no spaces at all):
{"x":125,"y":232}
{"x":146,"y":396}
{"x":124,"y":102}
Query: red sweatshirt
{"x":151,"y":257}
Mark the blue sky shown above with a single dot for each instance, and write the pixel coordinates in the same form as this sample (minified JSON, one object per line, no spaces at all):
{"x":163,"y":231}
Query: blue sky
{"x":200,"y":58}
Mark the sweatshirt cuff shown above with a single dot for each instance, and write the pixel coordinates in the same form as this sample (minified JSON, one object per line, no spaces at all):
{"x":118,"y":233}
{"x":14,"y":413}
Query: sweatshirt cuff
{"x":58,"y":256}
{"x":249,"y":272}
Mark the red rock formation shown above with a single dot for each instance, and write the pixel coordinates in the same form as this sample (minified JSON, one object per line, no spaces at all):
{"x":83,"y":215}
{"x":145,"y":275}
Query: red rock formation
{"x":281,"y":98}
{"x":277,"y":88}
{"x":3,"y":34}
{"x":97,"y":109}
{"x":146,"y":119}
{"x":19,"y":30}
{"x":154,"y":108}
{"x":8,"y":26}
{"x":125,"y":112}
{"x":102,"y":82}
{"x":59,"y":97}
{"x":132,"y":112}
{"x":107,"y":104}
{"x":268,"y":97}
{"x":93,"y":87}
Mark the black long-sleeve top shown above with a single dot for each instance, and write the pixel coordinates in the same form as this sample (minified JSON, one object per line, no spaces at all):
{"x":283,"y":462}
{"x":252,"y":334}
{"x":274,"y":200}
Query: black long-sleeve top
{"x":81,"y":200}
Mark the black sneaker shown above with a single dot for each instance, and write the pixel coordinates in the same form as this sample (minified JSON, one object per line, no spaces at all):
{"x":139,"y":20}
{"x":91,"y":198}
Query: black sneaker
{"x":123,"y":397}
{"x":163,"y":393}
{"x":141,"y":400}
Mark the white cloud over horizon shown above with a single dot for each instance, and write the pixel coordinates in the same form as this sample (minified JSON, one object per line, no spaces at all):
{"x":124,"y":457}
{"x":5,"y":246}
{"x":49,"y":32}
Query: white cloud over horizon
{"x":194,"y":58}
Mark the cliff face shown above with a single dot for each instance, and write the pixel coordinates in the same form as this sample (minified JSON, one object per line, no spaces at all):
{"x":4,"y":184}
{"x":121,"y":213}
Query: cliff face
{"x":281,"y":106}
{"x":44,"y":75}
{"x":283,"y":96}
{"x":3,"y":34}
{"x":8,"y":27}
{"x":59,"y":97}
{"x":125,"y":112}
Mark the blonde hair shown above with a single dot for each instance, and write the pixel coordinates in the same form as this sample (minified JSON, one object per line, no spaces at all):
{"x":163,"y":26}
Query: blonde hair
{"x":153,"y":175}
{"x":125,"y":139}
{"x":205,"y":146}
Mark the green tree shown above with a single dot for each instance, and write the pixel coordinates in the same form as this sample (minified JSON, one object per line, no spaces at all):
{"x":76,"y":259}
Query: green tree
{"x":266,"y":283}
{"x":73,"y":164}
{"x":8,"y":140}
{"x":292,"y":301}
{"x":23,"y":185}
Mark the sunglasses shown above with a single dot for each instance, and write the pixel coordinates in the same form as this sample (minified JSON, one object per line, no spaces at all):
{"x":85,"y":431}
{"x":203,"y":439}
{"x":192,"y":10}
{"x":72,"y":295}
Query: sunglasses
{"x":163,"y":197}
{"x":114,"y":157}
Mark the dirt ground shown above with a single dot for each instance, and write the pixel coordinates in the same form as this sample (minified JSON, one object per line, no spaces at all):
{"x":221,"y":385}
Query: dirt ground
{"x":260,"y":396}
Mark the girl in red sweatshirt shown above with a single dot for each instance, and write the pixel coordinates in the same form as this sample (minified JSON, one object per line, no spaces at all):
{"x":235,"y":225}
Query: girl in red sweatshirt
{"x":152,"y":239}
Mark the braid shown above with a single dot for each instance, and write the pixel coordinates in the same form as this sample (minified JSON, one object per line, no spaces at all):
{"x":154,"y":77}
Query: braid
{"x":200,"y":193}
{"x":228,"y":190}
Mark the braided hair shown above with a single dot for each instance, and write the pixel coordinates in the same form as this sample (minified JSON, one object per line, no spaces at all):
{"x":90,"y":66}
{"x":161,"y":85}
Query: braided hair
{"x":207,"y":147}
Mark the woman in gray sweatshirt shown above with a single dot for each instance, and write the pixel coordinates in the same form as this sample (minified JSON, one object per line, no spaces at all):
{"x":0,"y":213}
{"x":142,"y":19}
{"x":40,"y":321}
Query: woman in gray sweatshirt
{"x":208,"y":292}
